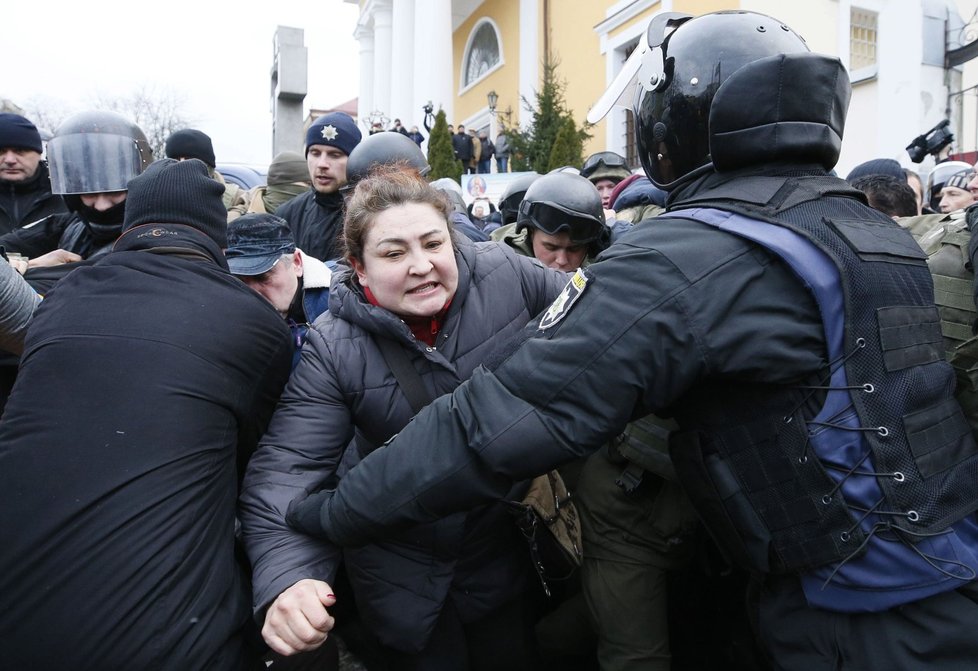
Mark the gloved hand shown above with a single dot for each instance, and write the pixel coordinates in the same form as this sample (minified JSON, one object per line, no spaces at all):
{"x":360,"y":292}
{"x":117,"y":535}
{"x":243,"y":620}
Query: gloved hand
{"x":305,"y":514}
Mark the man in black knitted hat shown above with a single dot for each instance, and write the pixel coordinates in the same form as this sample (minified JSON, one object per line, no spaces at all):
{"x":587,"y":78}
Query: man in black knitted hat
{"x":147,"y":379}
{"x":192,"y":143}
{"x":25,"y":188}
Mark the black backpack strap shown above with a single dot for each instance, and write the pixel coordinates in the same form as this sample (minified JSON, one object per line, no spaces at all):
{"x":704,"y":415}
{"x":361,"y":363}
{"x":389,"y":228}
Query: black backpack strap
{"x":408,"y":380}
{"x":407,"y":377}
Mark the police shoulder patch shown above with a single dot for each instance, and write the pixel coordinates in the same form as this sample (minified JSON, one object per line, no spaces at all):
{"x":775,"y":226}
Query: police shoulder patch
{"x":565,"y":301}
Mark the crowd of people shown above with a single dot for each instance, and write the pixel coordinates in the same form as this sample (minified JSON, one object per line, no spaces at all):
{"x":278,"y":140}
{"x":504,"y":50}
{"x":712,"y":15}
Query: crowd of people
{"x":239,"y":427}
{"x":414,"y":134}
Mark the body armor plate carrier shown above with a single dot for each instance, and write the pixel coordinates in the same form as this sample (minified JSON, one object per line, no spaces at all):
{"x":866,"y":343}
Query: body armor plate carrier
{"x":870,"y":499}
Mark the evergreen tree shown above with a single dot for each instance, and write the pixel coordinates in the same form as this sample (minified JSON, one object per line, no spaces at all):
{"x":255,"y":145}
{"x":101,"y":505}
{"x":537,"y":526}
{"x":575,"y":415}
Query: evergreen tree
{"x":568,"y":147}
{"x":532,"y":146}
{"x":441,"y":156}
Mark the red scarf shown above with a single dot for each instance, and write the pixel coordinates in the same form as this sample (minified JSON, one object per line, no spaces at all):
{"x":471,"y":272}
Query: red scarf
{"x":424,"y":329}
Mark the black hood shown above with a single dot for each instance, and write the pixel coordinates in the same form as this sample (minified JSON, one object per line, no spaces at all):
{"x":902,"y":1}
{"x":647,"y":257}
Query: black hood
{"x":767,"y":112}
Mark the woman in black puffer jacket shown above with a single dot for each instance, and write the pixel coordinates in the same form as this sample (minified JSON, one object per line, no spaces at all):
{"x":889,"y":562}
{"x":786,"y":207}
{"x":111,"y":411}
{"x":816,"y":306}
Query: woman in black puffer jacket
{"x":443,"y":595}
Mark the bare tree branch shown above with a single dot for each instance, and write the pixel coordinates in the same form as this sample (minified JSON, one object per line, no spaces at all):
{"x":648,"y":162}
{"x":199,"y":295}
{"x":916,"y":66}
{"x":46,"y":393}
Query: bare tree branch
{"x":158,"y":112}
{"x":46,"y":112}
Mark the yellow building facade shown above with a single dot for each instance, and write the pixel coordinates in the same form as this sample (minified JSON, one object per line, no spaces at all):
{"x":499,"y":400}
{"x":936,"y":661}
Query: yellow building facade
{"x":454,"y":53}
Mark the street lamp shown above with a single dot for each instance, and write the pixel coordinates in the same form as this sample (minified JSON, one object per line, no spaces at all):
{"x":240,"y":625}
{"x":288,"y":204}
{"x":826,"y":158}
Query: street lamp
{"x":493,"y":99}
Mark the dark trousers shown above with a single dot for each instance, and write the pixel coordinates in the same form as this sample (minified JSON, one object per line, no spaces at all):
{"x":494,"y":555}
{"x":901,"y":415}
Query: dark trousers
{"x":627,"y":559}
{"x":501,"y":640}
{"x":935,"y":633}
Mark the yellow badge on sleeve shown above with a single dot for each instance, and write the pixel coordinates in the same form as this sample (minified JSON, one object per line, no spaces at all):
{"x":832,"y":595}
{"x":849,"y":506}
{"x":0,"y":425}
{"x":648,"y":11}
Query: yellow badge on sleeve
{"x":562,"y":305}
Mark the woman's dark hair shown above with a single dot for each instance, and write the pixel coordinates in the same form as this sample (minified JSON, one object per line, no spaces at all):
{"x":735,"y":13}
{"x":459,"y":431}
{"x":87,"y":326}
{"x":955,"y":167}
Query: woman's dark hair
{"x":385,"y":187}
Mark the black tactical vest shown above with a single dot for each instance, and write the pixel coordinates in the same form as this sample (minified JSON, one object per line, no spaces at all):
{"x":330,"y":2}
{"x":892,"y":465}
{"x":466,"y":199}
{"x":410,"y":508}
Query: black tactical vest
{"x":769,"y":502}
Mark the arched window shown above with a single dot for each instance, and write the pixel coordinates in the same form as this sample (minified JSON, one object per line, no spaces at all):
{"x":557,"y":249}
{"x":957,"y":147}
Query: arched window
{"x":483,"y":53}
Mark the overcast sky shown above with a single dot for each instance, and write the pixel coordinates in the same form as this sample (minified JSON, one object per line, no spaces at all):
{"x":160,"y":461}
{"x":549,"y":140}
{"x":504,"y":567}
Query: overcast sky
{"x":216,"y":56}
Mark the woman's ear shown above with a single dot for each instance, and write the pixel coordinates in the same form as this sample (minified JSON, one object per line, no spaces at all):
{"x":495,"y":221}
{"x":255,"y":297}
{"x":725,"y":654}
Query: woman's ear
{"x":359,"y":269}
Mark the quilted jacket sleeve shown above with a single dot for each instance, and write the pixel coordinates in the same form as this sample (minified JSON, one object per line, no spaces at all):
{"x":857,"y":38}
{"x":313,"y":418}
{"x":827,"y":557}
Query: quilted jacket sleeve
{"x":299,"y":453}
{"x":17,"y":304}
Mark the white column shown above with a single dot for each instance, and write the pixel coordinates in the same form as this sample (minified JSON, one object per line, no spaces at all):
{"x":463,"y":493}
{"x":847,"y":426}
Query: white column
{"x":530,"y":68}
{"x":383,"y":64}
{"x":366,"y":96}
{"x":433,"y":62}
{"x":402,"y":56}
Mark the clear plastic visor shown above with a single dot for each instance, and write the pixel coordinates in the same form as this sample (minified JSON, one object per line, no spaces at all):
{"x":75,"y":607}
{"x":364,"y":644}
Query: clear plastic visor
{"x":92,"y":163}
{"x":642,"y":71}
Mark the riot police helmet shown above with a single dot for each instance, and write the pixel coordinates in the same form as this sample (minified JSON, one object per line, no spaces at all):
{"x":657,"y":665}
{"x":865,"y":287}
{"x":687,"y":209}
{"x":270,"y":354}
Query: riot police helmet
{"x":452,"y":191}
{"x":96,"y":152}
{"x":383,"y":149}
{"x":562,"y":202}
{"x":938,"y":177}
{"x":673,"y":76}
{"x":512,"y":196}
{"x":605,"y":165}
{"x":573,"y":170}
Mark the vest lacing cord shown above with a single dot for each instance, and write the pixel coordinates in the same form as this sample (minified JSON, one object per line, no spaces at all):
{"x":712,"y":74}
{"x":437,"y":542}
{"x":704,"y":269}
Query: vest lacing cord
{"x":882,"y":431}
{"x":911,"y":515}
{"x":833,"y":366}
{"x":901,"y":535}
{"x":878,"y":527}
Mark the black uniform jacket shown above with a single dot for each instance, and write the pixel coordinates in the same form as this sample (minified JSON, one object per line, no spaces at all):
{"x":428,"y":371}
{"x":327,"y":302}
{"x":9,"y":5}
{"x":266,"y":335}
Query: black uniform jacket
{"x":24,"y":202}
{"x":67,"y":230}
{"x":316,"y":221}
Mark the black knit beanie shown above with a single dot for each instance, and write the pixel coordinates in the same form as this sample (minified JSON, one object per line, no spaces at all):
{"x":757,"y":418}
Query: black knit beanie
{"x":17,"y":132}
{"x":190,"y":143}
{"x":877,"y":166}
{"x":336,"y":129}
{"x":178,"y":192}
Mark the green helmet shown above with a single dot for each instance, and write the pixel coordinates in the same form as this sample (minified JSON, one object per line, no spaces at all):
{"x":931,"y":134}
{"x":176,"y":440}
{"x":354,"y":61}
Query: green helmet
{"x":605,"y":165}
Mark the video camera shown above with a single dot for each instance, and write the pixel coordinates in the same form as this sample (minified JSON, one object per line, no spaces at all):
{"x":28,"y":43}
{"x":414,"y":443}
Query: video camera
{"x":931,"y":142}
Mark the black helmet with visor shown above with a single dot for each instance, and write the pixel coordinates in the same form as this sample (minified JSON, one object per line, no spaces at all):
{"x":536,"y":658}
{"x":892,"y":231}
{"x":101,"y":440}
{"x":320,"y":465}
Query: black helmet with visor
{"x":96,"y":152}
{"x":562,"y":202}
{"x":673,"y":76}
